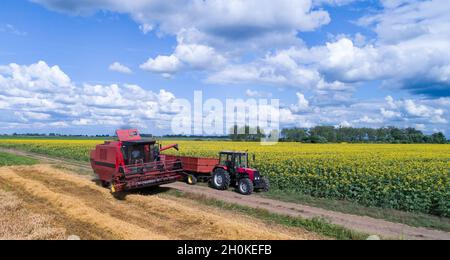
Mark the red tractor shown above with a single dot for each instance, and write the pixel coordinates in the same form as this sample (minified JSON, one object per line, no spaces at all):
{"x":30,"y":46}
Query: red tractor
{"x":132,"y":163}
{"x":233,"y":170}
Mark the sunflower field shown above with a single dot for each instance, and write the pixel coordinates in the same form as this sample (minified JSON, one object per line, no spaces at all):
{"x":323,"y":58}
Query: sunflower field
{"x":405,"y":177}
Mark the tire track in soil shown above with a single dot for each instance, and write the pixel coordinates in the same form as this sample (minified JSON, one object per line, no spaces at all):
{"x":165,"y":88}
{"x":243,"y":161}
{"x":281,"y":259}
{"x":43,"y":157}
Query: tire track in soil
{"x":40,"y":206}
{"x":74,"y":208}
{"x":150,"y":216}
{"x":104,"y":203}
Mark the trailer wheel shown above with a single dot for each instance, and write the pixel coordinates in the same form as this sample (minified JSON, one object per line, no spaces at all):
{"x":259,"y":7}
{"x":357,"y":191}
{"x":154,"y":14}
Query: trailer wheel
{"x":220,"y":179}
{"x":191,"y":179}
{"x":105,"y":184}
{"x":245,"y":186}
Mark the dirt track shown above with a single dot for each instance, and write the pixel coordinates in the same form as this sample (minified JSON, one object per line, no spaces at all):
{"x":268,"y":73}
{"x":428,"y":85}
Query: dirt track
{"x":364,"y":224}
{"x":91,"y":212}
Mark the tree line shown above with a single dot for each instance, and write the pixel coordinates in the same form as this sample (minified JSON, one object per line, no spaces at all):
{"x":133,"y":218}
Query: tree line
{"x":331,"y":134}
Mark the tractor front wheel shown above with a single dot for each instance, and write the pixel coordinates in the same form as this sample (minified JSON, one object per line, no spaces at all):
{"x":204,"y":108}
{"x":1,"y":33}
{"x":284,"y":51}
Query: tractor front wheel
{"x":265,"y":184}
{"x":220,"y":179}
{"x":245,"y":186}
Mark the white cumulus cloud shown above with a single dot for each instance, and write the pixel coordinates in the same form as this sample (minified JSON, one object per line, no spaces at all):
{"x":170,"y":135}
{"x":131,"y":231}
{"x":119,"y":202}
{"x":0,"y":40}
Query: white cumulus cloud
{"x":117,"y":67}
{"x":302,"y":104}
{"x":162,"y":64}
{"x":38,"y":96}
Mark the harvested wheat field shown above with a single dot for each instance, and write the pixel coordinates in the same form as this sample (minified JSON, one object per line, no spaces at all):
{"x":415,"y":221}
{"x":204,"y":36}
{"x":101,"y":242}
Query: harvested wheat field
{"x":41,"y":202}
{"x":18,"y":222}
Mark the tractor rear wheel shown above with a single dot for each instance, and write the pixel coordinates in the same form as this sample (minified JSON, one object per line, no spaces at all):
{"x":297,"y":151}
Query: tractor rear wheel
{"x":245,"y":186}
{"x":220,"y":179}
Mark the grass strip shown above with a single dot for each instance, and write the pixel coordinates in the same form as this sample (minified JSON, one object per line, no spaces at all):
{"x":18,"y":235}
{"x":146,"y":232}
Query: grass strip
{"x":316,"y":225}
{"x":7,"y":159}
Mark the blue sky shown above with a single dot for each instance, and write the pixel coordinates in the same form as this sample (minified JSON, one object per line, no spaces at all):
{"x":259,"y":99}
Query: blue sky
{"x":91,"y":66}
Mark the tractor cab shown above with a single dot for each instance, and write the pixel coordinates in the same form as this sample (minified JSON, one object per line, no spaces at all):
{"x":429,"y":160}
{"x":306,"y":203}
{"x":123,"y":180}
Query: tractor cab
{"x":233,"y":160}
{"x":233,"y":170}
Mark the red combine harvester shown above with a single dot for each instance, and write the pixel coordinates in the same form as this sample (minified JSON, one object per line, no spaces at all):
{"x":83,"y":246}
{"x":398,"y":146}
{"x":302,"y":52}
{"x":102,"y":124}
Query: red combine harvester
{"x":231,"y":169}
{"x":133,"y":163}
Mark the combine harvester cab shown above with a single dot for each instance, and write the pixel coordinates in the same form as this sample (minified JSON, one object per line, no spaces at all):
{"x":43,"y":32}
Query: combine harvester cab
{"x":132,"y":163}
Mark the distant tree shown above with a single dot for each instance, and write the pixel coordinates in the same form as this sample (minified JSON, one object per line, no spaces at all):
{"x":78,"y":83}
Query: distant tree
{"x":415,"y":136}
{"x":317,"y":139}
{"x":295,"y":135}
{"x":327,"y":132}
{"x":438,"y":138}
{"x":246,"y":133}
